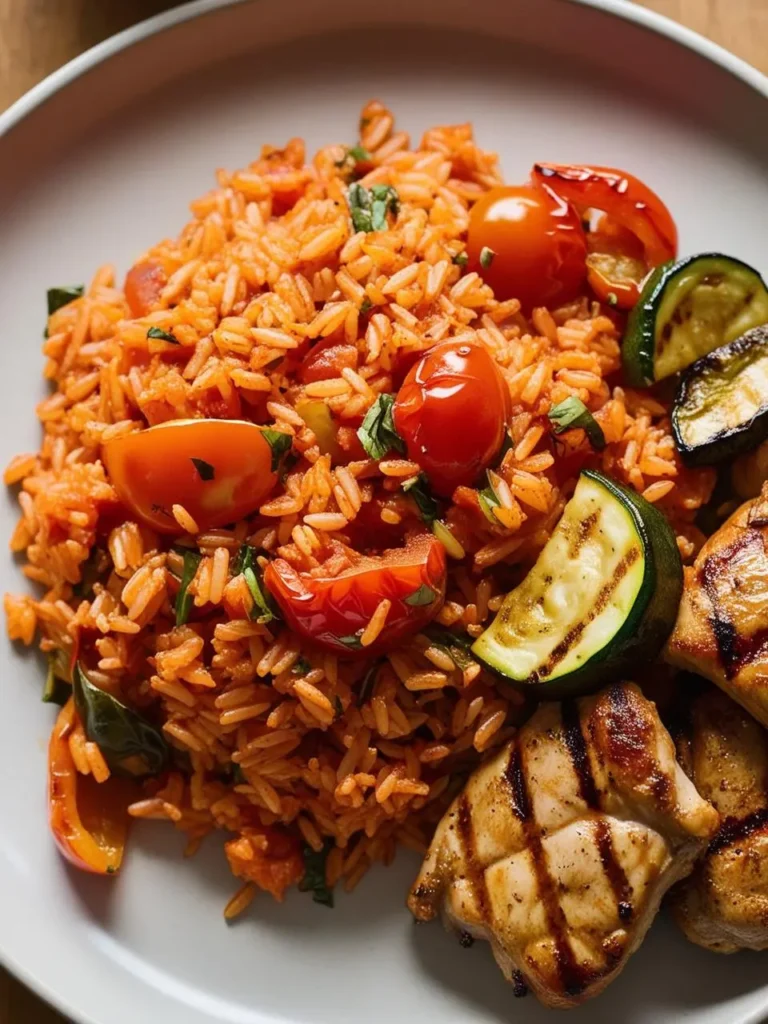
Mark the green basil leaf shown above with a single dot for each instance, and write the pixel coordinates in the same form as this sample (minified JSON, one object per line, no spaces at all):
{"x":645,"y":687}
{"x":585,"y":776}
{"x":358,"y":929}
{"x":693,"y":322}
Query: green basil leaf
{"x":571,"y":413}
{"x":279,"y":442}
{"x":418,"y":489}
{"x":359,"y":200}
{"x":56,"y":690}
{"x":161,"y":335}
{"x":130,"y":744}
{"x":368,"y":683}
{"x":423,"y":595}
{"x":245,"y":556}
{"x":58,"y":297}
{"x":460,"y":259}
{"x":183,"y":598}
{"x":91,"y":570}
{"x":338,"y":705}
{"x":486,"y":257}
{"x":456,"y":645}
{"x":301,"y":667}
{"x":365,"y":306}
{"x":369,"y":207}
{"x":488,"y":502}
{"x":353,"y":642}
{"x":359,"y":154}
{"x":314,"y":874}
{"x":377,"y":434}
{"x":263,"y":610}
{"x":205,"y":469}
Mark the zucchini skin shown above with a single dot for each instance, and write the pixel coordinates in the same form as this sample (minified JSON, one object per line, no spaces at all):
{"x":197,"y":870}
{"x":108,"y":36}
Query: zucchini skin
{"x":736,"y":440}
{"x":639,"y":345}
{"x":650,"y":621}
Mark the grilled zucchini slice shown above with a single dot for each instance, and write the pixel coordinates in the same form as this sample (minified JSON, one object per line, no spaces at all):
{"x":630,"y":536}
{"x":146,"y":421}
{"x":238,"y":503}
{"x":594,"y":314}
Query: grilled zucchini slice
{"x":686,"y":310}
{"x":601,"y":599}
{"x":721,"y":407}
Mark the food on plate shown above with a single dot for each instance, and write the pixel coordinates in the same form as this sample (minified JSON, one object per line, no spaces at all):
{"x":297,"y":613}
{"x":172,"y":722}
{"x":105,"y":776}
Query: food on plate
{"x":721,"y":626}
{"x":342,"y":481}
{"x":561,"y":846}
{"x":601,"y":598}
{"x":721,"y":407}
{"x":723,"y":904}
{"x":686,"y":310}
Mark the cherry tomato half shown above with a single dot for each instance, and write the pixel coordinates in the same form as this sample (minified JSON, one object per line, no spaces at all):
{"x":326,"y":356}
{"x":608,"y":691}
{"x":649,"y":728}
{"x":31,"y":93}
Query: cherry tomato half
{"x":536,"y":251}
{"x":631,"y":205}
{"x":89,"y":820}
{"x":452,"y":412}
{"x":219,"y":470}
{"x":143,"y":284}
{"x":334,"y":611}
{"x":327,"y":360}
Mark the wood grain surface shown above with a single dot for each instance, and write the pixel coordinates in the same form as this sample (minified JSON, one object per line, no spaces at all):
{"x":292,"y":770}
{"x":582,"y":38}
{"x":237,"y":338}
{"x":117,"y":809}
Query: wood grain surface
{"x":37,"y":36}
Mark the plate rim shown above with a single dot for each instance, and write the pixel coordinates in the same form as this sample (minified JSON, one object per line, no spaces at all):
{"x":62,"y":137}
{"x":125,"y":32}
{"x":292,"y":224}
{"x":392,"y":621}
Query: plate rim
{"x":102,"y":52}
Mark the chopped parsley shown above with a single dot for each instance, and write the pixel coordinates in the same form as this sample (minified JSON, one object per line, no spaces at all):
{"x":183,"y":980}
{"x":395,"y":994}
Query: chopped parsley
{"x":377,"y":433}
{"x":279,"y":442}
{"x":423,"y":595}
{"x":161,"y":335}
{"x":486,"y":257}
{"x":352,"y":157}
{"x":314,"y":874}
{"x":369,"y":207}
{"x":418,"y":489}
{"x":184,"y":598}
{"x":205,"y":469}
{"x":572,"y":413}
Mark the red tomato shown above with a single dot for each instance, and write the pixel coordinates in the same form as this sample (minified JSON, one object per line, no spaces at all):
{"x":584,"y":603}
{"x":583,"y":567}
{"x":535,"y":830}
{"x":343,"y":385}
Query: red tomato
{"x":219,"y":470}
{"x":89,"y":820}
{"x":537,"y":247}
{"x":452,"y":412}
{"x":334,"y":611}
{"x":143,"y":284}
{"x":631,"y":205}
{"x":327,"y":360}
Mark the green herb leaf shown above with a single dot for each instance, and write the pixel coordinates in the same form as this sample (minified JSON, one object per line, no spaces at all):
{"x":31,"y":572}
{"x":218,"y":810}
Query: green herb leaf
{"x":95,"y":565}
{"x":338,"y":705}
{"x":288,"y":463}
{"x":129,"y":744}
{"x":263,"y":610}
{"x":377,"y":433}
{"x":455,"y":645}
{"x":423,"y":595}
{"x":488,"y":502}
{"x":301,"y":667}
{"x":486,"y":257}
{"x":418,"y":489}
{"x":205,"y":469}
{"x":369,"y":207}
{"x":365,"y":306}
{"x":279,"y":442}
{"x":460,"y":259}
{"x":314,"y":874}
{"x":368,"y":683}
{"x":571,"y":413}
{"x":359,"y":154}
{"x":353,"y":642}
{"x":56,"y":690}
{"x":58,"y":297}
{"x":183,"y":598}
{"x":161,"y":335}
{"x":612,"y":299}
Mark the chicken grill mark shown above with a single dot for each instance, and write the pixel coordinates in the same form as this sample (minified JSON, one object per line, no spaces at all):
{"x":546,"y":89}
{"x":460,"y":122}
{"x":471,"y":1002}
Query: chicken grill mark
{"x":560,"y":847}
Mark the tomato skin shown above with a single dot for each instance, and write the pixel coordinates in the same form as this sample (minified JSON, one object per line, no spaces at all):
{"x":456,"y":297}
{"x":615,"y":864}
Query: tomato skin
{"x":631,"y":205}
{"x":153,"y":470}
{"x":143,"y":284}
{"x":452,"y":412}
{"x":324,"y":609}
{"x":89,"y":820}
{"x":326,"y":360}
{"x":539,"y":250}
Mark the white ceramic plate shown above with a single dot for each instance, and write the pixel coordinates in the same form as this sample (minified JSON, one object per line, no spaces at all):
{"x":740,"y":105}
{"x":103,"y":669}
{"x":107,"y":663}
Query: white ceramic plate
{"x":98,"y":163}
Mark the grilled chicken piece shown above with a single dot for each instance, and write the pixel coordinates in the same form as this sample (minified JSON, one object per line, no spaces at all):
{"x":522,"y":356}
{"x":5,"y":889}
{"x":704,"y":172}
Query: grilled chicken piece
{"x":722,"y":626}
{"x":723,"y":905}
{"x":561,"y":846}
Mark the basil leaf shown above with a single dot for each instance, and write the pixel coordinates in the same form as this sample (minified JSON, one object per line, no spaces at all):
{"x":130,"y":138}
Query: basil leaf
{"x":418,"y":489}
{"x":263,"y":610}
{"x":242,"y":559}
{"x":365,"y":306}
{"x":279,"y":442}
{"x":369,"y":208}
{"x":205,"y":469}
{"x":460,"y":259}
{"x":314,"y":874}
{"x":488,"y":502}
{"x":129,"y":744}
{"x":160,"y":334}
{"x":338,"y":705}
{"x":288,"y":463}
{"x":571,"y":413}
{"x":423,"y":595}
{"x":377,"y":433}
{"x":368,"y":683}
{"x":56,"y":690}
{"x":353,"y":642}
{"x":301,"y":667}
{"x":486,"y":257}
{"x":58,"y":297}
{"x":359,"y":154}
{"x":95,"y":565}
{"x":455,"y":645}
{"x":183,"y":598}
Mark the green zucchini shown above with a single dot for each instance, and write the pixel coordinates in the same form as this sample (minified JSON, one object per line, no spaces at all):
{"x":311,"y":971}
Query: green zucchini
{"x":686,"y":310}
{"x":600,"y":601}
{"x":721,"y":407}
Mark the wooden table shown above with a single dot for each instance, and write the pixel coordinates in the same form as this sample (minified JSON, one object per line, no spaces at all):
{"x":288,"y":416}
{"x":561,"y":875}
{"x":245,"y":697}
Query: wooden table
{"x":37,"y":36}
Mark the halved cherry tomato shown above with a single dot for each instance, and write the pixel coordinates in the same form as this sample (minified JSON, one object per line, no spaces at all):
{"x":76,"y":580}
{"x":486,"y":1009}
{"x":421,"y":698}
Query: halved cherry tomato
{"x":89,"y":820}
{"x":326,"y":360}
{"x":334,"y":611}
{"x":143,"y":284}
{"x":452,"y":412}
{"x":219,"y":470}
{"x":269,"y":857}
{"x":630,"y":204}
{"x":535,"y":245}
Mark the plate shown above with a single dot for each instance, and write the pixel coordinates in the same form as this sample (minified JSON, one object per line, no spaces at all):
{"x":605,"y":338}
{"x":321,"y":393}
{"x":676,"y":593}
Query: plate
{"x":99,"y":162}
